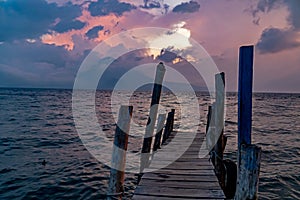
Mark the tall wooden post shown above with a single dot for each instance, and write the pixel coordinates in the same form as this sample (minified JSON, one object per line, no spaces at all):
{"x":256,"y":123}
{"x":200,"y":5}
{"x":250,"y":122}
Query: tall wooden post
{"x":160,"y":72}
{"x":118,"y":161}
{"x":245,"y":95}
{"x":160,"y":125}
{"x":248,"y":155}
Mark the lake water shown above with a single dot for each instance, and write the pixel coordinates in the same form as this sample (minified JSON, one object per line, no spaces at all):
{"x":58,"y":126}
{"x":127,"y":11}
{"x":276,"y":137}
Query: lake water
{"x":37,"y":125}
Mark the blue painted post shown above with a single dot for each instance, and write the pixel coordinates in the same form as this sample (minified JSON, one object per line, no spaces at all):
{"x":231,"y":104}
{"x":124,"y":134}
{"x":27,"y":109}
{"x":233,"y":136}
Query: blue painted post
{"x":245,"y":95}
{"x":248,"y":155}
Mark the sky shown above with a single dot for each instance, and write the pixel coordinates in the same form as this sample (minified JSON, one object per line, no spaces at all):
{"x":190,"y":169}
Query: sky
{"x":44,"y":42}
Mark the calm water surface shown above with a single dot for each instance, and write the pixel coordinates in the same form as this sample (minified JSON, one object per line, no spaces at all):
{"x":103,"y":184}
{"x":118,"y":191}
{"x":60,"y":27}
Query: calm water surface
{"x":37,"y":125}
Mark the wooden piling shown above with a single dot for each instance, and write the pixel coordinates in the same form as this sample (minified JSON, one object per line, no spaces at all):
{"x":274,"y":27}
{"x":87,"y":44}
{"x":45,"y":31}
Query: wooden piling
{"x":249,"y":172}
{"x":168,"y":127}
{"x":211,"y":138}
{"x":172,"y":120}
{"x":160,"y":125}
{"x":116,"y":181}
{"x":245,"y":95}
{"x":146,"y":148}
{"x":208,"y":119}
{"x":248,"y":155}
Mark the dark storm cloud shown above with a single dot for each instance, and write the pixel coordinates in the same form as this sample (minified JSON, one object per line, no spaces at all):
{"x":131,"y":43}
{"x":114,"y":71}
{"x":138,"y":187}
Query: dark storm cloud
{"x":64,"y":26}
{"x":103,"y":7}
{"x":187,"y":7}
{"x":93,"y":33}
{"x":275,"y":40}
{"x":29,"y":19}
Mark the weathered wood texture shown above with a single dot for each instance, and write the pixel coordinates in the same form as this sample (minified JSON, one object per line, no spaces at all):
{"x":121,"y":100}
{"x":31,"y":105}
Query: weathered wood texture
{"x":247,"y":184}
{"x":189,"y":177}
{"x":118,"y":161}
{"x":245,"y":95}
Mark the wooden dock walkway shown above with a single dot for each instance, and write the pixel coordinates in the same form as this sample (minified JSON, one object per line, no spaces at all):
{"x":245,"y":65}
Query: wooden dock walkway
{"x":189,"y":177}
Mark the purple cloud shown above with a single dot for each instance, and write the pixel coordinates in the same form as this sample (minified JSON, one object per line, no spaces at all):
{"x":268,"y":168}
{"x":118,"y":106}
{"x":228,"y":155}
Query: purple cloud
{"x":187,"y":7}
{"x":274,"y":40}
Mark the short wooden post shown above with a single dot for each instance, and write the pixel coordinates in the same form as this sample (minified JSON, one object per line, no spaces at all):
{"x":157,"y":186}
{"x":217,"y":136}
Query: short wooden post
{"x":211,"y":137}
{"x":172,"y":120}
{"x":245,"y":95}
{"x":167,"y":130}
{"x":118,"y":161}
{"x":208,"y":119}
{"x":248,"y":173}
{"x":160,"y":125}
{"x":146,"y":148}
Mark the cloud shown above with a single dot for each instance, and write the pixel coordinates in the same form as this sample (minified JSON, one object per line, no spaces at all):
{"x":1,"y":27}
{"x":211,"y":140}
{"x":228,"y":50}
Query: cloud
{"x":187,"y":7}
{"x":102,"y":7}
{"x":64,"y":26}
{"x":274,"y":40}
{"x":266,"y":6}
{"x":30,"y":19}
{"x":37,"y":65}
{"x":93,"y":32}
{"x":294,"y":17}
{"x":149,"y":4}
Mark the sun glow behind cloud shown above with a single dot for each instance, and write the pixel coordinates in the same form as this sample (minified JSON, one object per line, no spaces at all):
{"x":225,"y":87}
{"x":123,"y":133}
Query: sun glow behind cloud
{"x":177,"y":39}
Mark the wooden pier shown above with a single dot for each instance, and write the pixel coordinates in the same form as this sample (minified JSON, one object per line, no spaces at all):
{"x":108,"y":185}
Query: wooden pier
{"x":189,"y":177}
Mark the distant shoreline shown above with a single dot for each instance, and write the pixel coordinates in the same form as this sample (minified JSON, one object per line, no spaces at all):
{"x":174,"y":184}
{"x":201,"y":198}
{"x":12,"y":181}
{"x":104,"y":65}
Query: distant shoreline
{"x":144,"y":90}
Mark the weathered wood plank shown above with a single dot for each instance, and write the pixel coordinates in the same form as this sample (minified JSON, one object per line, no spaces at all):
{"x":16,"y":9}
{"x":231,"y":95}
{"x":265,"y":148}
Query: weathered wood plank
{"x":179,"y":192}
{"x":187,"y":177}
{"x":177,"y":184}
{"x":149,"y":197}
{"x":181,"y":178}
